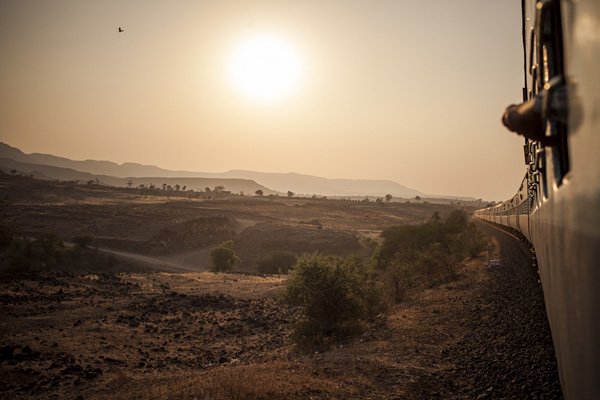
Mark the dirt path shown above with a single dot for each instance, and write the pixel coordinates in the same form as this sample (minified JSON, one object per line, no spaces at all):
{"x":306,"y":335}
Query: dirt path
{"x":245,"y":223}
{"x":190,"y":261}
{"x":196,"y":260}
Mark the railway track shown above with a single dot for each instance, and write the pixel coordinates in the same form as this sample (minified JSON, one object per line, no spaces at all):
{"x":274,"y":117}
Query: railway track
{"x":508,"y":353}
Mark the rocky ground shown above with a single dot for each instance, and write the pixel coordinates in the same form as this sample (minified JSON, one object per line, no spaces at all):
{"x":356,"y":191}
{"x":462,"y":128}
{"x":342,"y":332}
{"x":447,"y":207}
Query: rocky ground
{"x":63,"y":335}
{"x":217,"y":336}
{"x":507,"y":352}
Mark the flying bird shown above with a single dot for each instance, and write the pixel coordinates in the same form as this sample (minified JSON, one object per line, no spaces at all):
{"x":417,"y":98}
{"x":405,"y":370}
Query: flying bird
{"x":121,"y":29}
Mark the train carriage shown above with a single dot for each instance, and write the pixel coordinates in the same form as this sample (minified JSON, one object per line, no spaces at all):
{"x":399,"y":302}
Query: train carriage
{"x":557,"y":206}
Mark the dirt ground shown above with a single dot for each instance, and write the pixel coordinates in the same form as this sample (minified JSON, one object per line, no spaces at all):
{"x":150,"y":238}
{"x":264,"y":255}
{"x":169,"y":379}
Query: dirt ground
{"x":152,"y":334}
{"x":169,"y":335}
{"x":181,"y":232}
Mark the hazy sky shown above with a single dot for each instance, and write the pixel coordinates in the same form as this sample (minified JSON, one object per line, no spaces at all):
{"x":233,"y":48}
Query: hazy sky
{"x":405,"y":90}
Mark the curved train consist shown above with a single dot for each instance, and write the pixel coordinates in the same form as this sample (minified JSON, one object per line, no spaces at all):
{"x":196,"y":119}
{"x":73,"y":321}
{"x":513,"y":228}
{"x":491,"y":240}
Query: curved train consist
{"x":557,"y":206}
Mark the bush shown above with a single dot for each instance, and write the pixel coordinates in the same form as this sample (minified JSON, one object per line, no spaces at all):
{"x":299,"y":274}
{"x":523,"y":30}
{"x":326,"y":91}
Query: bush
{"x":277,"y":262}
{"x":397,"y":279}
{"x":474,"y":242}
{"x":223,"y":257}
{"x":336,"y":295}
{"x":426,"y":253}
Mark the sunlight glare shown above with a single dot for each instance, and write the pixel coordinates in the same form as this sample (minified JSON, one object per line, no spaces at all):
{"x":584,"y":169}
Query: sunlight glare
{"x":265,"y":67}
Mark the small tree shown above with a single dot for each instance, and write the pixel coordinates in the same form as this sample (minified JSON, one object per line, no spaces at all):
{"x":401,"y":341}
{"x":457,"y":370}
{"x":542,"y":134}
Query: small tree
{"x":207,"y":189}
{"x":417,"y":198}
{"x":388,"y":198}
{"x":223,"y":257}
{"x":219,"y":188}
{"x":259,"y":192}
{"x":290,"y":193}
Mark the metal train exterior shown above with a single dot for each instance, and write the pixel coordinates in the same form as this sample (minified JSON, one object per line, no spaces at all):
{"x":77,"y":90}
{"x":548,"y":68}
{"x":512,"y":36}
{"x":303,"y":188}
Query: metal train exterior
{"x":557,"y":206}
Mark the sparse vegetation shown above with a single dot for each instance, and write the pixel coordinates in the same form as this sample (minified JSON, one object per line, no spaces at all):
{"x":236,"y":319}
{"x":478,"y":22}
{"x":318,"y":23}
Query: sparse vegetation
{"x":223,"y":257}
{"x":427,"y":253}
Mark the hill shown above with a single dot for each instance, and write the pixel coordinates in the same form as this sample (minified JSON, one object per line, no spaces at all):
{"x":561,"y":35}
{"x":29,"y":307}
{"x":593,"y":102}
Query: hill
{"x":48,"y":172}
{"x":309,"y":184}
{"x":279,"y":182}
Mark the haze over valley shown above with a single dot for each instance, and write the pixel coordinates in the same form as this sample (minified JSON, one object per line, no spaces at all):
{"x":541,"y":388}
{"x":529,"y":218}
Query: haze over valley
{"x":47,"y":166}
{"x":330,"y":89}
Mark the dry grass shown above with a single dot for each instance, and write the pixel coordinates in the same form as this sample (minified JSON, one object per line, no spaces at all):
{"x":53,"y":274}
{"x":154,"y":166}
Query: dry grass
{"x":277,"y":380}
{"x":390,"y":361}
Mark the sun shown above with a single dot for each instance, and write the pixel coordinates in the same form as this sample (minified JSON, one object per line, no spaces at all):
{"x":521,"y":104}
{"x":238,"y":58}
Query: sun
{"x":265,"y":67}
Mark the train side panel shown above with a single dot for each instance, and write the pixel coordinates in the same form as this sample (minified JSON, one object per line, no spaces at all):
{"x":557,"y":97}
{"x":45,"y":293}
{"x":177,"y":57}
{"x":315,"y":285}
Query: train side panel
{"x":561,"y":212}
{"x":567,"y":224}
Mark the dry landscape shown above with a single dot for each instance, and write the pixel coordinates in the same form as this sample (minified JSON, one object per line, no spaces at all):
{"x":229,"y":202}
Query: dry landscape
{"x":140,"y":317}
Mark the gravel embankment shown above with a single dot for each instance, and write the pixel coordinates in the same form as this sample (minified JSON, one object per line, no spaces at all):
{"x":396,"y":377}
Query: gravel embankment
{"x":509,"y":353}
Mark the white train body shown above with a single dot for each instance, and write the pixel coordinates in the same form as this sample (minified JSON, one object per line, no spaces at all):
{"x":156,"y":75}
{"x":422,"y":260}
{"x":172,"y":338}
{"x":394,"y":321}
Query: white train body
{"x":557,"y":207}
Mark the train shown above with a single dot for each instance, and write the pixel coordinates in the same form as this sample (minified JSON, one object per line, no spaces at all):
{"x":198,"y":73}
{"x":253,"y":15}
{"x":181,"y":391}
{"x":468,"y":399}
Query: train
{"x":557,"y":205}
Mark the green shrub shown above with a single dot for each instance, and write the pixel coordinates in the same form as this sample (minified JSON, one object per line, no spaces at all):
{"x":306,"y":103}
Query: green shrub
{"x":457,"y":221}
{"x":223,"y":257}
{"x":277,"y":262}
{"x":374,"y":298}
{"x":427,"y":253}
{"x":397,"y":279}
{"x":336,"y":295}
{"x":474,"y":242}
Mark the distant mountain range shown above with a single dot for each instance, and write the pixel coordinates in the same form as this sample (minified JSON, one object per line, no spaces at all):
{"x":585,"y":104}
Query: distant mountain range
{"x":47,"y":166}
{"x":49,"y":172}
{"x":308,"y":184}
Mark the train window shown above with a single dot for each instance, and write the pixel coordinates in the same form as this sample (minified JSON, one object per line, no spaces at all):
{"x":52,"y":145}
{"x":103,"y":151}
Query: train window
{"x":550,"y":71}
